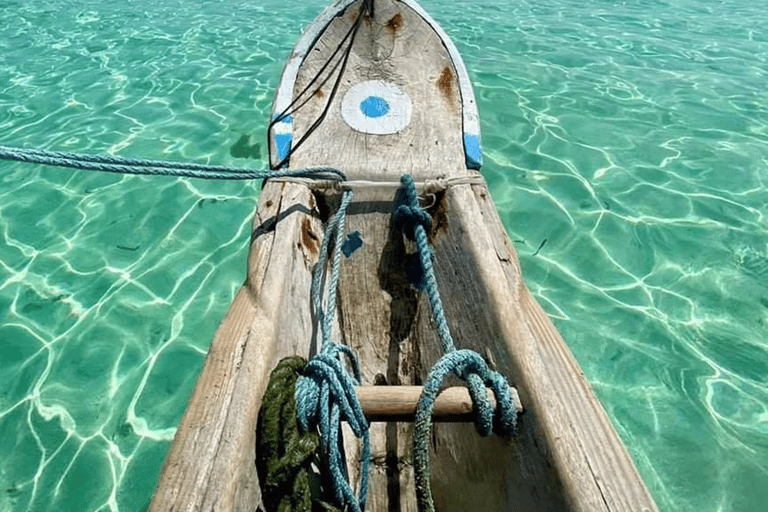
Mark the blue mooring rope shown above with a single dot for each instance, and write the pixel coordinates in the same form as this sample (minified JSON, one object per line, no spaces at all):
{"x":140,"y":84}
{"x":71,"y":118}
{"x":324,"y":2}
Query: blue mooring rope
{"x":466,"y":364}
{"x":121,"y":165}
{"x":325,"y":394}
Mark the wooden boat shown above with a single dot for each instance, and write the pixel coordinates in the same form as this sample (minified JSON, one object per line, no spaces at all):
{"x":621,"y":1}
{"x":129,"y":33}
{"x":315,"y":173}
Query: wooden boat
{"x":403,"y":103}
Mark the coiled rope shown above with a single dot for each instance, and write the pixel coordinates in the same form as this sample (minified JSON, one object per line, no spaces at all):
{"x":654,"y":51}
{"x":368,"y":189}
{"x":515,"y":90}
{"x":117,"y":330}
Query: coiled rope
{"x":466,"y":364}
{"x":285,"y":454}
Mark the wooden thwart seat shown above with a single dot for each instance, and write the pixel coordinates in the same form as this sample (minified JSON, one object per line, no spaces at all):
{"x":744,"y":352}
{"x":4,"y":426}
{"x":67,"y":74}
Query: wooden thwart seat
{"x":398,"y":403}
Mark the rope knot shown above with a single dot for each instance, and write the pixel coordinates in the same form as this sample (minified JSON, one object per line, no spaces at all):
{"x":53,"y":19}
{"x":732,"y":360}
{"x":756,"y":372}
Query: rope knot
{"x":407,"y":217}
{"x":410,"y":215}
{"x":325,"y":373}
{"x":470,"y":367}
{"x":325,"y":396}
{"x":415,"y":223}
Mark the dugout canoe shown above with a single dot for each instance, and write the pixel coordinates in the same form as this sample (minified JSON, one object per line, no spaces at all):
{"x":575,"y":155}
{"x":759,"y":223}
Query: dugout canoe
{"x":404,"y":103}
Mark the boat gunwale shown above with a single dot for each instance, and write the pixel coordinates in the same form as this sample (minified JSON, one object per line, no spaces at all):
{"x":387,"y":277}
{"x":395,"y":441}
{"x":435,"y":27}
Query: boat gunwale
{"x":314,"y":31}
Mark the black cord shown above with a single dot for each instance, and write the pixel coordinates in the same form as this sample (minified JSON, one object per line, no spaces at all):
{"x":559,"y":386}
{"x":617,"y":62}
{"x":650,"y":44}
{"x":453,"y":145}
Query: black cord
{"x":292,"y":108}
{"x":289,"y":110}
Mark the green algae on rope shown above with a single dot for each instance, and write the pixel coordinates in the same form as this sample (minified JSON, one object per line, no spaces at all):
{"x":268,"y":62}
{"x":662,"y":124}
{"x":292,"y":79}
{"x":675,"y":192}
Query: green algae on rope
{"x":286,"y":455}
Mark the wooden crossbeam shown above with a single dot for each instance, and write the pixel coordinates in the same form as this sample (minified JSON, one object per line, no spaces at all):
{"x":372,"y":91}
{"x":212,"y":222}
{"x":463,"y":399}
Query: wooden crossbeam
{"x":398,"y":403}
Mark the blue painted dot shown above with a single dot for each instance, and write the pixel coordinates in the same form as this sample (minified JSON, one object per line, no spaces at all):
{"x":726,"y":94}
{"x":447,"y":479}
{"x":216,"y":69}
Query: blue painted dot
{"x":373,"y":106}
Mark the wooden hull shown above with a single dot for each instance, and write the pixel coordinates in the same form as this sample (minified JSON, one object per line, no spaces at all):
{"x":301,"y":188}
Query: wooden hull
{"x":567,"y":456}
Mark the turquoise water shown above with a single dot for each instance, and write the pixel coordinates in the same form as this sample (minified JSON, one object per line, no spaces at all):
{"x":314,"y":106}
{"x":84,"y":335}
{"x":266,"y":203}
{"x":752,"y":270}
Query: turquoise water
{"x":630,"y":138}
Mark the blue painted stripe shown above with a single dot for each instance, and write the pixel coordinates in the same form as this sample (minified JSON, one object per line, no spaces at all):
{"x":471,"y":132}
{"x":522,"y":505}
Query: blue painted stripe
{"x":287,"y":119}
{"x":473,"y":151}
{"x":283,"y":145}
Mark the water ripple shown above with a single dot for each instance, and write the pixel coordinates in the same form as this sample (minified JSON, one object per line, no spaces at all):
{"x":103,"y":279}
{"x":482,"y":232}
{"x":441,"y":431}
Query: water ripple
{"x":635,"y":130}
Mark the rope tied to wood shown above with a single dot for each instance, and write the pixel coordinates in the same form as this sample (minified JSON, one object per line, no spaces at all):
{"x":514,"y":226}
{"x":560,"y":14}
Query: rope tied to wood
{"x":408,"y":219}
{"x":325,"y":394}
{"x":468,"y":365}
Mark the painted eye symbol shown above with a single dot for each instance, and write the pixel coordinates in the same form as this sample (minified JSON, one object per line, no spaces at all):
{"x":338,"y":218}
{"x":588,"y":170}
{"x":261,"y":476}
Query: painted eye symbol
{"x":376,"y":107}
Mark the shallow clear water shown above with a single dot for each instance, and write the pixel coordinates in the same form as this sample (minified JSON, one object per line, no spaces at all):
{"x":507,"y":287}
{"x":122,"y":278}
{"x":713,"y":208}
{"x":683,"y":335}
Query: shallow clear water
{"x":630,"y":138}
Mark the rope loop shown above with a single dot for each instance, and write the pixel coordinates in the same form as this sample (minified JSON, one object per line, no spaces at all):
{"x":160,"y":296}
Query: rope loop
{"x":466,"y":364}
{"x":325,"y":396}
{"x":410,"y":215}
{"x":470,"y":367}
{"x":415,"y":223}
{"x":326,"y":382}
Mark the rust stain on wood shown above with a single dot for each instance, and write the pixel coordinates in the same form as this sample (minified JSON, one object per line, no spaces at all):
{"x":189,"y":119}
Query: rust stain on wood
{"x":445,"y":82}
{"x":394,"y":23}
{"x":308,"y":238}
{"x":439,"y":217}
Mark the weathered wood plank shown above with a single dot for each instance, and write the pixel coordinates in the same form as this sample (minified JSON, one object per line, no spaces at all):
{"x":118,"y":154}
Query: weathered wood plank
{"x":589,"y":458}
{"x":211,"y":463}
{"x":501,"y":474}
{"x":430,"y":145}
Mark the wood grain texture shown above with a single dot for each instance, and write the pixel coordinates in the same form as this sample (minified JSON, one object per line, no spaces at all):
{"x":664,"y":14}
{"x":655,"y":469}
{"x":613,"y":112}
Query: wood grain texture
{"x":564,"y":426}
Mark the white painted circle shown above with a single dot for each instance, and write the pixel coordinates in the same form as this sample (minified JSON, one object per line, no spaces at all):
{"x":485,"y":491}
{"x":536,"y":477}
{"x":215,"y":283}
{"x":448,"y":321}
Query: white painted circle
{"x":376,"y":107}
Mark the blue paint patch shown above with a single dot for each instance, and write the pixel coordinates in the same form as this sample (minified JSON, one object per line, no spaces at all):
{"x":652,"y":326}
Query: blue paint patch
{"x":472,"y":151}
{"x":351,"y":244}
{"x":374,"y":106}
{"x":287,"y":119}
{"x":283,"y":145}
